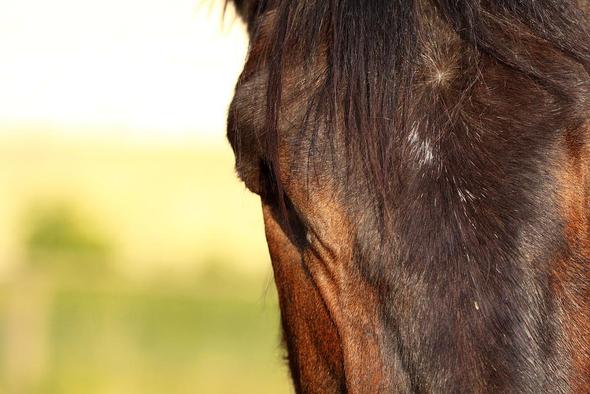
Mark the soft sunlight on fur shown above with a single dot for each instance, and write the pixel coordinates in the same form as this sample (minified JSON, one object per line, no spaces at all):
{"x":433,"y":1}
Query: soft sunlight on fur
{"x":423,"y":169}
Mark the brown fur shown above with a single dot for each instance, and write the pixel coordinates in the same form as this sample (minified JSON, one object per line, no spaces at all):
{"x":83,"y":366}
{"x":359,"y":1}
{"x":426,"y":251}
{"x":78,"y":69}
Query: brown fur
{"x":572,"y":273}
{"x":424,"y":171}
{"x":316,"y":356}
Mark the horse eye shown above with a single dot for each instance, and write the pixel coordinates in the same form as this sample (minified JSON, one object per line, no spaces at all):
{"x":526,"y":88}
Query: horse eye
{"x":283,"y":208}
{"x":296,"y":225}
{"x":268,"y":184}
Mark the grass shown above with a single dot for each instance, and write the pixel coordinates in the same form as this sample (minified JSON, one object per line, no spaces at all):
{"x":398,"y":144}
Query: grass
{"x":115,"y":337}
{"x":132,"y":269}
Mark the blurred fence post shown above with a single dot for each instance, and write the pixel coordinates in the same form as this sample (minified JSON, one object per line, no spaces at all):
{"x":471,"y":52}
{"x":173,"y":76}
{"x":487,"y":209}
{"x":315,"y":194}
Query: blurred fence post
{"x":26,"y":339}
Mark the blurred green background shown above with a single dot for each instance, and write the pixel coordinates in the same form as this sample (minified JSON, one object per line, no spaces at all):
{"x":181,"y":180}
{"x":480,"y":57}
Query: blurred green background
{"x":131,"y":258}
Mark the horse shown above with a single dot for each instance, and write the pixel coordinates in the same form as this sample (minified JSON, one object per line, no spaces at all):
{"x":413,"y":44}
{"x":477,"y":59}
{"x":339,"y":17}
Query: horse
{"x":423,"y":169}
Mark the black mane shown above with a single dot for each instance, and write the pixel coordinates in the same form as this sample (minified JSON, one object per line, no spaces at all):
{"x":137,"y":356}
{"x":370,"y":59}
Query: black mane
{"x":371,"y":51}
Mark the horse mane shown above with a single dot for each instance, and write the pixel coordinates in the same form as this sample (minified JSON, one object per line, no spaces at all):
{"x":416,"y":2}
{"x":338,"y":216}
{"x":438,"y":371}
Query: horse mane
{"x":371,"y":49}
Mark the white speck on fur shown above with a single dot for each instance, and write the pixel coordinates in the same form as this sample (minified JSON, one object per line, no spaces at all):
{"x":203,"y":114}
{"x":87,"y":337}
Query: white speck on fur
{"x":422,"y":147}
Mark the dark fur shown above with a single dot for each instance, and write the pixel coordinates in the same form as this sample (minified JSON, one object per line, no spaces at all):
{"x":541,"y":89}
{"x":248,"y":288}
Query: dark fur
{"x":441,"y":126}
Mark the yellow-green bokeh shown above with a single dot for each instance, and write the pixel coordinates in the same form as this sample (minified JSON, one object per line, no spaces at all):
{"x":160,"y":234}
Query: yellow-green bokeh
{"x":131,"y":258}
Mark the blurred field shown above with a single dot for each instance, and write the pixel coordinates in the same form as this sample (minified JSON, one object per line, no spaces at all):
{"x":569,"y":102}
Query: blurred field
{"x":132,"y":268}
{"x":131,"y":258}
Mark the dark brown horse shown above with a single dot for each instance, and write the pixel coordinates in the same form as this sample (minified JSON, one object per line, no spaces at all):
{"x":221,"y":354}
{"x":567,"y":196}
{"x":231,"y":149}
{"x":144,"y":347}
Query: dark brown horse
{"x":423,"y":167}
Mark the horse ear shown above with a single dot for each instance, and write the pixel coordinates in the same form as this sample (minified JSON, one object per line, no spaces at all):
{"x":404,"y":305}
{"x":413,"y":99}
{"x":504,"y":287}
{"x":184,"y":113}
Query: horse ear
{"x":245,"y":8}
